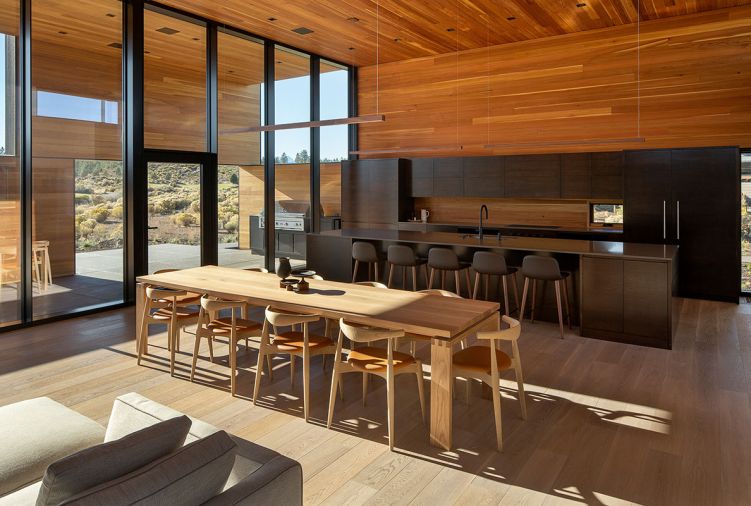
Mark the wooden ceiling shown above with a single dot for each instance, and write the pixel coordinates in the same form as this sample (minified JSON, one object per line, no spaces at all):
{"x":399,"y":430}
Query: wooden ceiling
{"x":350,"y":31}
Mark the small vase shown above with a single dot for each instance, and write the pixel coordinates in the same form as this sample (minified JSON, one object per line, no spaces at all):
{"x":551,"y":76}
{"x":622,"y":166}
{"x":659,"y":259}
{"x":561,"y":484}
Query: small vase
{"x":284,"y":269}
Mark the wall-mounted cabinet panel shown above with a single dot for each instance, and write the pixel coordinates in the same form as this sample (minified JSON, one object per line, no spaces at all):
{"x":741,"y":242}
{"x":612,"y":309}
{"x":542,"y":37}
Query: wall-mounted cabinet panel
{"x":646,"y":296}
{"x":602,"y":290}
{"x":606,"y":175}
{"x":448,"y":177}
{"x":646,"y":194}
{"x":421,"y":177}
{"x":484,"y":177}
{"x":575,"y":176}
{"x":370,"y":192}
{"x":533,"y":176}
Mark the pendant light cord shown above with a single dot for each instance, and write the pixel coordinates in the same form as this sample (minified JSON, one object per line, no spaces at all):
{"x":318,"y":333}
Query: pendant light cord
{"x":638,"y":68}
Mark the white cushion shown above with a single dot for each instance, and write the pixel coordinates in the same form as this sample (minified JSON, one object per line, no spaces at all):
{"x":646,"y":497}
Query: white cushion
{"x":37,"y":432}
{"x":190,"y":476}
{"x":98,"y":464}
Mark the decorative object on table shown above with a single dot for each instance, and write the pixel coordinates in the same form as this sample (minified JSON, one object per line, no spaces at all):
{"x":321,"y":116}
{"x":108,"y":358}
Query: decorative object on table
{"x":283,"y":271}
{"x":302,"y":285}
{"x":424,"y":214}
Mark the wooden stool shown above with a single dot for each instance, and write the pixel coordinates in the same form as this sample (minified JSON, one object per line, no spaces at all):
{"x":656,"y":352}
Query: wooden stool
{"x":162,"y":307}
{"x":445,"y":260}
{"x":41,"y":262}
{"x":383,"y":362}
{"x":539,"y":268}
{"x":293,"y":343}
{"x":486,"y":362}
{"x":231,"y":327}
{"x":487,"y":264}
{"x":364,"y":252}
{"x":404,"y":257}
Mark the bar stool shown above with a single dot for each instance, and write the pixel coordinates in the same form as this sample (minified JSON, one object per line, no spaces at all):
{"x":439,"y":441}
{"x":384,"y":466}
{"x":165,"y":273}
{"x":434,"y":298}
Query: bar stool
{"x":41,"y":260}
{"x":487,"y":264}
{"x":364,"y":252}
{"x":383,"y":362}
{"x":404,"y":257}
{"x":293,"y":343}
{"x":445,"y":260}
{"x":231,"y":327}
{"x":539,"y":268}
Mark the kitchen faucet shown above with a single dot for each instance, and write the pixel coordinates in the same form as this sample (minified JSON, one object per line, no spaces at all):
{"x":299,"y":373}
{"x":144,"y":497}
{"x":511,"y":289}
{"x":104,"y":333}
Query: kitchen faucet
{"x":482,"y":208}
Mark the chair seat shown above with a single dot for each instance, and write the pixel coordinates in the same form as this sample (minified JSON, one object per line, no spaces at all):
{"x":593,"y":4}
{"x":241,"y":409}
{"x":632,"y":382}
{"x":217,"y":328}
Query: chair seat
{"x":180,"y":314}
{"x":509,"y":270}
{"x":477,"y":359}
{"x":189,"y":298}
{"x":295,"y":341}
{"x":372,"y":359}
{"x":223,"y":327}
{"x":443,"y":267}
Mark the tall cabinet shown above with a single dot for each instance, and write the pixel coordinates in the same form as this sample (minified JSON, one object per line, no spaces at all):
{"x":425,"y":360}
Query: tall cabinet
{"x":689,"y":197}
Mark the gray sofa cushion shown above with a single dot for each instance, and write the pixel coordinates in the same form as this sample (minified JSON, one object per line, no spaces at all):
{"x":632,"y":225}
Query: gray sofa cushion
{"x":105,"y":462}
{"x":37,"y":432}
{"x":190,"y":476}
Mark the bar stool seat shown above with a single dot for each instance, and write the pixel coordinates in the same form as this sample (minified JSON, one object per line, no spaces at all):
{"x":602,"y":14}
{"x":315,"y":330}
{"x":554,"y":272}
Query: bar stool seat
{"x":364,"y":252}
{"x":486,"y":264}
{"x":403,"y":256}
{"x":445,"y":260}
{"x":540,"y":268}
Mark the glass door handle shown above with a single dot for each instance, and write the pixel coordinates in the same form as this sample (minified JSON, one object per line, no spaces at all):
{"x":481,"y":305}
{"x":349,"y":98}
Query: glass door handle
{"x":151,"y":228}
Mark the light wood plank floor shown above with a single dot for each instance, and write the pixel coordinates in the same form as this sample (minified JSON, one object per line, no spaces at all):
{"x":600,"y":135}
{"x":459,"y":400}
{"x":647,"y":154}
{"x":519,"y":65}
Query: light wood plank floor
{"x":608,"y":423}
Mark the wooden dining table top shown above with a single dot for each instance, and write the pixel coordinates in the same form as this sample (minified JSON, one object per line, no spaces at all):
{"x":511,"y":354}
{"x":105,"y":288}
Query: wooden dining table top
{"x":415,"y":313}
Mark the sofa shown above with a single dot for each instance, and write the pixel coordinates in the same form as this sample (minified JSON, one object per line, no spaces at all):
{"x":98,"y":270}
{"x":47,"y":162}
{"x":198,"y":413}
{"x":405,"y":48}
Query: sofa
{"x":38,"y":433}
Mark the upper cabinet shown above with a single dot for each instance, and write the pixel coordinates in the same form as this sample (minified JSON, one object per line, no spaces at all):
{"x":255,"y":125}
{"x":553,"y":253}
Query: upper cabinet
{"x":484,"y":176}
{"x":606,"y":175}
{"x":533,"y":176}
{"x":448,"y":174}
{"x":370,"y":192}
{"x":575,"y":176}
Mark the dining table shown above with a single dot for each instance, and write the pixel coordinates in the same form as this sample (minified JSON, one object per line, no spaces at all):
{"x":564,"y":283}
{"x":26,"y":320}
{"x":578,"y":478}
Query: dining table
{"x":442,"y":321}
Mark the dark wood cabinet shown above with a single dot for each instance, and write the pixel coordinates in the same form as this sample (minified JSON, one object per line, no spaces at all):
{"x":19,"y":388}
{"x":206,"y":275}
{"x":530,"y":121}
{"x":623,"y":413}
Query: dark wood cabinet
{"x":606,"y":175}
{"x":689,"y":197}
{"x":421,"y":177}
{"x":371,"y":192}
{"x":575,"y":176}
{"x":646,"y":299}
{"x":602,"y":289}
{"x":533,"y":176}
{"x":484,"y":176}
{"x":448,"y":177}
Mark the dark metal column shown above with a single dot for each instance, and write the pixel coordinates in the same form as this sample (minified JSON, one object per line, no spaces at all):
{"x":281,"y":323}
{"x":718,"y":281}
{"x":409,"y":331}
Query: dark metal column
{"x":27,"y":227}
{"x":210,"y":169}
{"x":268,"y":165}
{"x":353,"y":129}
{"x":315,"y":145}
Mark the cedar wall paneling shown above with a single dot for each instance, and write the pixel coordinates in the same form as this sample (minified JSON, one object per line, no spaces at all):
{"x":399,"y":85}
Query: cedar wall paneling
{"x":695,"y":91}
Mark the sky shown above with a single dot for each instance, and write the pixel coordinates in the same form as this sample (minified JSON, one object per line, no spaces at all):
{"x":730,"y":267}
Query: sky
{"x":292,"y":105}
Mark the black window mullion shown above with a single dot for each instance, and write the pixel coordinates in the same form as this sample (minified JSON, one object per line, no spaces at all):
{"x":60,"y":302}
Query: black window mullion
{"x":27,"y":299}
{"x":352,"y":107}
{"x":315,"y":145}
{"x":268,"y":166}
{"x":210,"y":168}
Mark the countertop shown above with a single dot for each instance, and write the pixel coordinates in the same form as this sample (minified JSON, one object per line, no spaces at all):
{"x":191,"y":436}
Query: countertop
{"x":495,"y":226}
{"x":624,"y":250}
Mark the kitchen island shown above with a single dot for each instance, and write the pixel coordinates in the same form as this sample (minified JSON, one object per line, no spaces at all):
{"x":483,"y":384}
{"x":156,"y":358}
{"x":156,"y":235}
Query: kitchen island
{"x":621,"y":291}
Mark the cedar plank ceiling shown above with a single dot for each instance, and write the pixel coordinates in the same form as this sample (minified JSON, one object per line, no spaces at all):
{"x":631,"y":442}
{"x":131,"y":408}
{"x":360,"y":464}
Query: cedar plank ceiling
{"x":411,"y":29}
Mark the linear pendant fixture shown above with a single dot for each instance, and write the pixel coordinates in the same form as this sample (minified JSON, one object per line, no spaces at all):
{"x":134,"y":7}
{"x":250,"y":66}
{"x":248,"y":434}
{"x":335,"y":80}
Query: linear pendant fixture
{"x":355,"y":120}
{"x":566,"y":142}
{"x":386,"y":151}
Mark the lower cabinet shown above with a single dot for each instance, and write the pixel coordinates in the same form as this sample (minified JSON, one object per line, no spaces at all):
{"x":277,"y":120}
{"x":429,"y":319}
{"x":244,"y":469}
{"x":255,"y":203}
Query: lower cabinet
{"x":627,"y":300}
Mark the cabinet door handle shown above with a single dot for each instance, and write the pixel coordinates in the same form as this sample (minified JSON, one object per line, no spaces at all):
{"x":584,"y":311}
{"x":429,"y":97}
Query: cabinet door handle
{"x":664,"y":223}
{"x":678,"y":219}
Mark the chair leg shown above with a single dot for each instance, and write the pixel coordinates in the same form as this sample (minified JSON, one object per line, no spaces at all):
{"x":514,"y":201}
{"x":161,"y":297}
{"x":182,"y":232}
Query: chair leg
{"x":469,"y":285}
{"x":196,"y":347}
{"x":143,"y":342}
{"x":443,"y":280}
{"x":496,"y":387}
{"x":375,"y":271}
{"x":404,"y":277}
{"x":566,"y":301}
{"x":421,"y":390}
{"x":477,"y":285}
{"x":516,"y":291}
{"x":520,"y":387}
{"x":332,"y":394}
{"x":365,"y":377}
{"x":306,"y":381}
{"x":414,"y":278}
{"x":487,"y":285}
{"x":391,"y":275}
{"x":413,"y":347}
{"x":524,"y":299}
{"x":354,"y":271}
{"x":534,"y":299}
{"x":505,"y":294}
{"x":211,"y":348}
{"x":390,"y":398}
{"x":558,"y":303}
{"x":467,"y":389}
{"x":259,"y":372}
{"x":173,"y":333}
{"x":458,"y":283}
{"x":432,"y":275}
{"x":427,"y":285}
{"x":291,"y":370}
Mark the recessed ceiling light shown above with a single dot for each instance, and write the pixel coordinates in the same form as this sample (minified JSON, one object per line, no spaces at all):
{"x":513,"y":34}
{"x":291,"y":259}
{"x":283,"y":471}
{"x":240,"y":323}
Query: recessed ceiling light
{"x":450,"y":29}
{"x":511,"y":18}
{"x":110,"y":15}
{"x":353,"y":19}
{"x":352,"y":49}
{"x":116,"y":45}
{"x":271,"y":19}
{"x":302,"y":30}
{"x":147,"y":52}
{"x":167,"y":30}
{"x":63,"y":33}
{"x":196,"y":38}
{"x":581,"y":5}
{"x":279,"y":62}
{"x":397,"y":40}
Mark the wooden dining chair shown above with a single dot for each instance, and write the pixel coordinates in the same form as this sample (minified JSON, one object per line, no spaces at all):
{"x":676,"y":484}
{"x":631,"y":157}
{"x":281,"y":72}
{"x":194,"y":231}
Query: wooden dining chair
{"x":161,"y":307}
{"x":374,"y":284}
{"x":231,"y":327}
{"x":293,"y":343}
{"x":383,"y":362}
{"x":485,"y":363}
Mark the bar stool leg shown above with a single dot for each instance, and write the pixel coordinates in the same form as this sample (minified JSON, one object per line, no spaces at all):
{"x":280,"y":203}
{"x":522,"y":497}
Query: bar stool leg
{"x":565,"y":300}
{"x":375,"y":270}
{"x":414,"y":278}
{"x":558,"y":302}
{"x":524,"y":299}
{"x":516,"y":291}
{"x":469,"y":285}
{"x":404,"y":277}
{"x":432,"y":275}
{"x":477,"y":285}
{"x":534,"y":298}
{"x":354,"y":272}
{"x":505,"y":294}
{"x":391,"y":275}
{"x":443,"y":280}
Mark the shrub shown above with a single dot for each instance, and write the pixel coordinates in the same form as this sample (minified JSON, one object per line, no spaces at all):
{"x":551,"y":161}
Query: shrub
{"x":117,"y":212}
{"x":231,"y":225}
{"x":99,"y":214}
{"x":184,"y":219}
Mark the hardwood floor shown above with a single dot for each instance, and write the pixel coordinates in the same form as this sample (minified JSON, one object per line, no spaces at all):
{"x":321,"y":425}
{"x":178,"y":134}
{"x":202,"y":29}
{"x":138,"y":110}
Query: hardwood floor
{"x":608,"y":423}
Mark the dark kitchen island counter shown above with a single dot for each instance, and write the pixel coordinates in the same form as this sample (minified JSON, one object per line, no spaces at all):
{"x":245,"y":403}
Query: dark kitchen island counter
{"x":621,"y":291}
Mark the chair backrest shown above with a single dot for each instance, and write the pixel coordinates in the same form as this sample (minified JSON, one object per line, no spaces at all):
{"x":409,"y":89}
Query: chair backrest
{"x":257,"y":269}
{"x":212,"y":304}
{"x":512,"y":333}
{"x":539,"y":267}
{"x":281,"y":318}
{"x":163,"y":271}
{"x":364,"y":334}
{"x":160,"y":293}
{"x":398,"y":254}
{"x":364,"y":252}
{"x":487,"y":262}
{"x":374,"y":284}
{"x":442,"y":258}
{"x":442,"y":293}
{"x":317,"y":277}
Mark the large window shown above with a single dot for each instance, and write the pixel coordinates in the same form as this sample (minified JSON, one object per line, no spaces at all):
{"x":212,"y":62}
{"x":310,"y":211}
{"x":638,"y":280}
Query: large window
{"x":240,"y":199}
{"x":10,"y":205}
{"x":77,"y":173}
{"x":746,"y":221}
{"x":334,"y":103}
